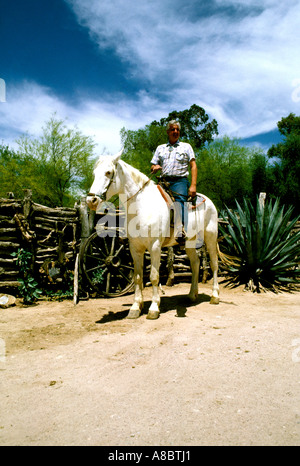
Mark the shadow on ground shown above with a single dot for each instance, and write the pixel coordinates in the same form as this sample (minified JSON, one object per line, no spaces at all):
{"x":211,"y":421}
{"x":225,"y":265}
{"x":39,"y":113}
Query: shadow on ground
{"x":179,"y":303}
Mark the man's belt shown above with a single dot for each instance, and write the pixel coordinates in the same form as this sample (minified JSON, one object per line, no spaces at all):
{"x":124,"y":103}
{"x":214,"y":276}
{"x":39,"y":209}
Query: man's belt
{"x":173,"y":178}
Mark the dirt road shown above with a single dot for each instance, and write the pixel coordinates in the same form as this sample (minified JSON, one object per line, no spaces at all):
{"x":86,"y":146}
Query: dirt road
{"x":199,"y":375}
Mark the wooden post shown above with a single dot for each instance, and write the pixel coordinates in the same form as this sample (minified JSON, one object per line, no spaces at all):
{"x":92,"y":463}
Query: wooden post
{"x":262,"y":199}
{"x":84,"y":219}
{"x":27,"y":202}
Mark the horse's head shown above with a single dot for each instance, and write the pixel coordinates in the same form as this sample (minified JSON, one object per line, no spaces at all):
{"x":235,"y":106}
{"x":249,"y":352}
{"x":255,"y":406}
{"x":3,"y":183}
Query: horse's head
{"x":104,"y":175}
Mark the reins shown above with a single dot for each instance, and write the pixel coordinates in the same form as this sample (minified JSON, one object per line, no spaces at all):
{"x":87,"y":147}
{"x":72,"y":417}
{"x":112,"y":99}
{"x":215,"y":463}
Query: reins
{"x":103,"y":195}
{"x":145,"y":184}
{"x":171,"y":193}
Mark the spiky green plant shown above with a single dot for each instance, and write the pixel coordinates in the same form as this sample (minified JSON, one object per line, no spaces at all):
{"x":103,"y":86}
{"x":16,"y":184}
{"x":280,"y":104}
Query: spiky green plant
{"x":260,"y":245}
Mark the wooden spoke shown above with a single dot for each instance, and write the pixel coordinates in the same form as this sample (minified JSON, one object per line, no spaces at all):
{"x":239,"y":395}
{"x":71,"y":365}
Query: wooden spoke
{"x":107,"y":264}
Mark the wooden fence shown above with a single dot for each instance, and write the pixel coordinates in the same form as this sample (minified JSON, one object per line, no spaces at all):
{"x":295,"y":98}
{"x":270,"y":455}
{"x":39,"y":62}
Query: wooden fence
{"x":51,"y":235}
{"x":54,"y":237}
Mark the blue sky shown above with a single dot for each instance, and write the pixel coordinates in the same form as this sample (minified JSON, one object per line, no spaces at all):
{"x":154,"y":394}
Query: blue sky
{"x":102,"y":65}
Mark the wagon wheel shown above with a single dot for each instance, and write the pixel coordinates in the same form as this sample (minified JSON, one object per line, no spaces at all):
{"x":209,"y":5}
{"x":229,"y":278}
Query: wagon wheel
{"x":107,"y":263}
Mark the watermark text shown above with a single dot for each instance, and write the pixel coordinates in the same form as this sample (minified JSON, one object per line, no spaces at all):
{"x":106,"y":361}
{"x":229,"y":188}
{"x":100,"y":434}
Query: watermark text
{"x":2,"y":90}
{"x":2,"y":350}
{"x":296,"y":351}
{"x":296,"y":91}
{"x":135,"y":223}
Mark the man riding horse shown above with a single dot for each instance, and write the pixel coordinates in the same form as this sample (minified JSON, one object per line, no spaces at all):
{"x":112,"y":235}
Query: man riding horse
{"x":174,"y":160}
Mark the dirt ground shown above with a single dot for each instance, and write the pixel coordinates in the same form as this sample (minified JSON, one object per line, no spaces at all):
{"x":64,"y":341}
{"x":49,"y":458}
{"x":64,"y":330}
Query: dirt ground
{"x":201,"y":374}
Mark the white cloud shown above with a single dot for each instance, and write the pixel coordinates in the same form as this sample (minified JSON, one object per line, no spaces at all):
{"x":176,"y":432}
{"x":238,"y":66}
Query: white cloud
{"x":29,"y":106}
{"x":238,"y":60}
{"x":103,"y":121}
{"x":26,"y":106}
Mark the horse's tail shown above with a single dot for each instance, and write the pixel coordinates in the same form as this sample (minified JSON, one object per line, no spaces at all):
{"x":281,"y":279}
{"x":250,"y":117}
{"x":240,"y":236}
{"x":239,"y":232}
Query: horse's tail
{"x":226,"y":259}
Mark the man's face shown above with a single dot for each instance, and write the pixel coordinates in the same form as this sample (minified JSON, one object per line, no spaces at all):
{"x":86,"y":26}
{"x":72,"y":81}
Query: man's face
{"x":173,"y":134}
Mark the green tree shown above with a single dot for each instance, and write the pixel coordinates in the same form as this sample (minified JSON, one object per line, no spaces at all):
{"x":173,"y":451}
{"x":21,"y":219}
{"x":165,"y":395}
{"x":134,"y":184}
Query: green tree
{"x":140,"y":145}
{"x":10,"y":179}
{"x":195,"y":126}
{"x":286,"y":162}
{"x":290,"y":124}
{"x":58,"y":166}
{"x":229,"y":171}
{"x":260,"y":172}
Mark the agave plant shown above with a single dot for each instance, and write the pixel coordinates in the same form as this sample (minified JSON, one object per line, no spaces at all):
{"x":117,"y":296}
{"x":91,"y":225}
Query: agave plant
{"x":260,"y":248}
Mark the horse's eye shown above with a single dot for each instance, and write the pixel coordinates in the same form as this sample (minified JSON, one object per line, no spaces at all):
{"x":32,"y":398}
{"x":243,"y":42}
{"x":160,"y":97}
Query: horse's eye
{"x":107,"y":173}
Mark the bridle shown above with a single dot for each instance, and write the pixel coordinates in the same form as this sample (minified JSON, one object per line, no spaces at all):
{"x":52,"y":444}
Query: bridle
{"x":103,"y":195}
{"x":110,"y":180}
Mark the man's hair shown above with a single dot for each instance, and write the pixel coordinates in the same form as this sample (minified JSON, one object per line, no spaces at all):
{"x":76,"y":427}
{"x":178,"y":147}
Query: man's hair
{"x":173,"y":123}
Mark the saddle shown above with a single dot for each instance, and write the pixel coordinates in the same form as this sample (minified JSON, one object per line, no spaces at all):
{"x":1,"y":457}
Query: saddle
{"x":167,"y":194}
{"x":164,"y":188}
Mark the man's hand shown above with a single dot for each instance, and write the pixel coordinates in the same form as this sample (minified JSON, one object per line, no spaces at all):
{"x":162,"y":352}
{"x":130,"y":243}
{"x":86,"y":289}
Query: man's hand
{"x":192,"y":191}
{"x":155,"y":168}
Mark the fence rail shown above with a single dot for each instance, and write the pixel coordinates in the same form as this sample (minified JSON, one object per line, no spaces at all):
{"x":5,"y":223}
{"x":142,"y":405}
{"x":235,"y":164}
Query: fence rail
{"x":54,"y":237}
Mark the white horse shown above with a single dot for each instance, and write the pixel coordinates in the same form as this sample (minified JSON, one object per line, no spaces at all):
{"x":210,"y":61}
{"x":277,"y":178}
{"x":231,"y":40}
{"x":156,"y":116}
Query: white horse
{"x":148,"y":227}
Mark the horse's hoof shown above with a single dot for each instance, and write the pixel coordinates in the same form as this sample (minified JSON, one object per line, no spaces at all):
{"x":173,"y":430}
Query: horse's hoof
{"x":193,"y":298}
{"x":134,"y":312}
{"x":214,"y":300}
{"x":152,"y":315}
{"x":170,"y":282}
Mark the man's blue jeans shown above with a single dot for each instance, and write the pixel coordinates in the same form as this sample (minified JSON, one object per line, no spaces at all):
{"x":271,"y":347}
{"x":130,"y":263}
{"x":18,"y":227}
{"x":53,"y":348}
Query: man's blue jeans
{"x":180,"y":188}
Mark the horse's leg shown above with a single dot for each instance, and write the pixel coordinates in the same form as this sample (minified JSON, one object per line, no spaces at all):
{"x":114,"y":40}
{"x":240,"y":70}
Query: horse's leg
{"x":211,"y":245}
{"x":137,"y":306}
{"x":195,"y":262}
{"x":170,"y":266}
{"x":155,"y":253}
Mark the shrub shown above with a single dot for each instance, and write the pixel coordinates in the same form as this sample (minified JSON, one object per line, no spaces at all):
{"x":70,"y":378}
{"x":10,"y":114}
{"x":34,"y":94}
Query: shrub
{"x":261,"y":248}
{"x":28,"y":288}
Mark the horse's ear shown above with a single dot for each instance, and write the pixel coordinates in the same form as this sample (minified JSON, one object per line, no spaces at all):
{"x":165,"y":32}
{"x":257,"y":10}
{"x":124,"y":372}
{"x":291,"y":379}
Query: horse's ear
{"x":117,"y":157}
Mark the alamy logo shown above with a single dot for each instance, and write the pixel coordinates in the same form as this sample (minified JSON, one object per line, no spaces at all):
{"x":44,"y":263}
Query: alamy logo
{"x":2,"y":90}
{"x":2,"y":350}
{"x":296,"y":351}
{"x":296,"y":91}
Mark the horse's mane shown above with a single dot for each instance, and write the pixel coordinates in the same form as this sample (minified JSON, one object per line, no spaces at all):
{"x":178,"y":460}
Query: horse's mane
{"x":137,"y":177}
{"x":135,"y":174}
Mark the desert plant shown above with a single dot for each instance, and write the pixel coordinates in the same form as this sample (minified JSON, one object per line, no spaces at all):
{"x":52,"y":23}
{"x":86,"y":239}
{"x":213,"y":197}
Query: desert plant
{"x":261,"y":248}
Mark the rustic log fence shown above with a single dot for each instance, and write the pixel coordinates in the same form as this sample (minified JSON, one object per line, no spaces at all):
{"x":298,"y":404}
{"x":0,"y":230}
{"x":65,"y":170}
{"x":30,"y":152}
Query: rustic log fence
{"x":10,"y":240}
{"x":51,"y":235}
{"x":54,"y":236}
